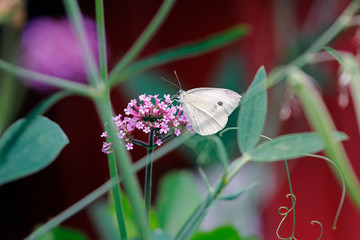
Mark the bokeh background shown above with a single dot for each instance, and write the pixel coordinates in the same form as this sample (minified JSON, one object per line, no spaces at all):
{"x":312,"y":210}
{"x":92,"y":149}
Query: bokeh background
{"x":279,"y":31}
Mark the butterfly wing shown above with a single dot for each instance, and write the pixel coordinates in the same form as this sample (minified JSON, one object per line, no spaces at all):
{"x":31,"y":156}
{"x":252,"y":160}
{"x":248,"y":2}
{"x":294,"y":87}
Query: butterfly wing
{"x":208,"y":108}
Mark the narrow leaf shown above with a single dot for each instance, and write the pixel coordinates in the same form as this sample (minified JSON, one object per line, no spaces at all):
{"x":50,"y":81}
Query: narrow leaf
{"x":291,"y":146}
{"x":320,"y":120}
{"x":159,"y":234}
{"x":237,"y":194}
{"x":60,"y":233}
{"x":252,"y":113}
{"x":178,"y":196}
{"x":185,"y":50}
{"x":335,"y":54}
{"x":32,"y":149}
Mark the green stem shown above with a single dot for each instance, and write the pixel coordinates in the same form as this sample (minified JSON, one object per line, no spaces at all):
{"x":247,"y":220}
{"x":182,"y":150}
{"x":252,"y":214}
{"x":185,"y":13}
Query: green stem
{"x":100,"y":191}
{"x":130,"y":181}
{"x":320,"y":120}
{"x":101,"y":39}
{"x":117,"y":197}
{"x":341,"y":22}
{"x":148,"y":176}
{"x":73,"y":11}
{"x":192,"y":224}
{"x":74,"y":87}
{"x":292,"y":198}
{"x":143,"y":39}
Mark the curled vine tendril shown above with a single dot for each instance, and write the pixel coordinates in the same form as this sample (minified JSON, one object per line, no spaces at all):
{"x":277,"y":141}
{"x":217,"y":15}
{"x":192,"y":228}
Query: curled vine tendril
{"x":284,"y":211}
{"x":321,"y":227}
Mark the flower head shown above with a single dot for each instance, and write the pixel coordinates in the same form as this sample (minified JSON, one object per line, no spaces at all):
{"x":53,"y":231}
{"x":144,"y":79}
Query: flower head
{"x":150,"y":113}
{"x":50,"y":46}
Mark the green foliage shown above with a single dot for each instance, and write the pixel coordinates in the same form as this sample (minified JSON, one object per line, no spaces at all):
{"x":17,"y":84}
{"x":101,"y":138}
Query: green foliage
{"x":26,"y":148}
{"x":185,"y":50}
{"x":61,"y":233}
{"x":109,"y":211}
{"x":208,"y":149}
{"x":253,"y":113}
{"x":223,"y":233}
{"x":177,"y":199}
{"x":159,"y":234}
{"x":291,"y":146}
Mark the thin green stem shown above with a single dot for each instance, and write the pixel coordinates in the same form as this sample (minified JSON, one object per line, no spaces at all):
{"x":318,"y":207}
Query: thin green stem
{"x":117,"y":197}
{"x":148,"y":176}
{"x":292,"y":198}
{"x":130,"y":181}
{"x":100,"y":23}
{"x":192,"y":224}
{"x":341,"y":22}
{"x":103,"y":189}
{"x":74,"y":87}
{"x":143,"y":39}
{"x":73,"y":11}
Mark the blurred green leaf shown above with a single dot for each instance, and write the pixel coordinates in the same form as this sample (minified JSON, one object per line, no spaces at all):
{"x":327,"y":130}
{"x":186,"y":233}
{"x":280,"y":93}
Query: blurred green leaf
{"x":128,"y":215}
{"x":208,"y":149}
{"x":253,"y":113}
{"x":61,"y":233}
{"x":237,"y":194}
{"x":25,"y":150}
{"x":178,"y":197}
{"x":186,"y":50}
{"x":223,"y":233}
{"x":291,"y":146}
{"x":335,"y":54}
{"x":321,"y":121}
{"x":104,"y":222}
{"x":159,"y":234}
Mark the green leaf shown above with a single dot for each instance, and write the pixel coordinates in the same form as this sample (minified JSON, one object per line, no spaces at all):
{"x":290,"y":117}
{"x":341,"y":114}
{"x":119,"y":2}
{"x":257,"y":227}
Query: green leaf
{"x":61,"y":233}
{"x":224,"y":233}
{"x":252,"y":113}
{"x":104,"y":222}
{"x":209,"y":149}
{"x":335,"y":54}
{"x":291,"y":146}
{"x":27,"y":148}
{"x":237,"y":194}
{"x":177,"y":199}
{"x":185,"y":50}
{"x":159,"y":234}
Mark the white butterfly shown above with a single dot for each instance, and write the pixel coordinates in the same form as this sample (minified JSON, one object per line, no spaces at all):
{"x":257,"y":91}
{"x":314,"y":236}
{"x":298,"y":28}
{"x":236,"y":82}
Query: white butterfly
{"x":208,"y":109}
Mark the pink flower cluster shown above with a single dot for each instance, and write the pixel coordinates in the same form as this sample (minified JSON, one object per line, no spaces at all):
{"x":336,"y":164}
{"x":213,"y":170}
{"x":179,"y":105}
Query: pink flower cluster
{"x":150,"y":113}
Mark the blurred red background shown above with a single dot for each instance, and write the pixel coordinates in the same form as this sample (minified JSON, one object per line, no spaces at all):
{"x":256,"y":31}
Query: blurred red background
{"x":82,"y":166}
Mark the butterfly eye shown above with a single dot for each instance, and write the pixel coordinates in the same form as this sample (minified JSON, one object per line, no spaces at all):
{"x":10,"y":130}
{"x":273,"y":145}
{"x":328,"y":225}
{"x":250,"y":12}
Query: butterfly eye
{"x":220,"y":103}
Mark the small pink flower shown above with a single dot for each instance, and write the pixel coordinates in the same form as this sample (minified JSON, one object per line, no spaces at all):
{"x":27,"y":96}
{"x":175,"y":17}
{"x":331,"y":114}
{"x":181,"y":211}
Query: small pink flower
{"x":104,"y":134}
{"x":129,"y":146}
{"x":158,"y":142}
{"x":177,"y":132}
{"x":121,"y":134}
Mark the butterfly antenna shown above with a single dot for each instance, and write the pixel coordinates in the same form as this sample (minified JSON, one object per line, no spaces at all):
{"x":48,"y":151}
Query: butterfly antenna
{"x":169,"y":82}
{"x":177,"y":78}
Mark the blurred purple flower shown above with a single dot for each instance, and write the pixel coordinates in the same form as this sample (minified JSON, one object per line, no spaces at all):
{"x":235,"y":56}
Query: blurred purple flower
{"x":50,"y":46}
{"x":151,"y":113}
